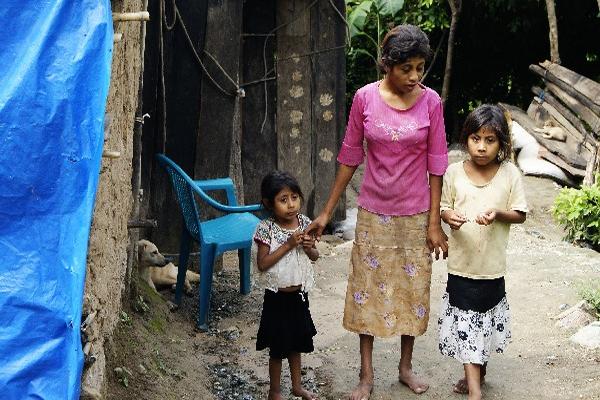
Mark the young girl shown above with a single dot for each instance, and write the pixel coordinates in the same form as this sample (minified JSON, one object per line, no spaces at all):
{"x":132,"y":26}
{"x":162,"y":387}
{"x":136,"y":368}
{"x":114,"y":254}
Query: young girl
{"x":481,"y":197}
{"x":284,"y":259}
{"x":398,"y":224}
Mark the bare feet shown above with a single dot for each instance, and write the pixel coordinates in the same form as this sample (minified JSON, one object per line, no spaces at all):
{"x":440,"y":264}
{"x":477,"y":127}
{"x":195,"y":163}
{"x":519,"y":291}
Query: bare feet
{"x":273,"y":395}
{"x":411,"y":380}
{"x":462,"y":387}
{"x":362,"y":391}
{"x":305,"y":394}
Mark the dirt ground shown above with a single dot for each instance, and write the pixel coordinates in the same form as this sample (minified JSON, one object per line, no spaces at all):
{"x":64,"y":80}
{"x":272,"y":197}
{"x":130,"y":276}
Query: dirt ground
{"x":161,"y":356}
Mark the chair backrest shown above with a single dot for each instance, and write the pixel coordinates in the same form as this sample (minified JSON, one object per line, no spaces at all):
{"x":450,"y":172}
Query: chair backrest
{"x":185,"y":195}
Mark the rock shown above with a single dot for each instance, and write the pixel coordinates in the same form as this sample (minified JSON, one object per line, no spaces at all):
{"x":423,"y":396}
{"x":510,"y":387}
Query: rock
{"x":588,"y":336}
{"x":563,"y":307}
{"x":141,"y":369}
{"x":349,"y":224}
{"x":535,"y":234}
{"x":575,"y":317}
{"x":88,"y":393}
{"x":348,"y":235}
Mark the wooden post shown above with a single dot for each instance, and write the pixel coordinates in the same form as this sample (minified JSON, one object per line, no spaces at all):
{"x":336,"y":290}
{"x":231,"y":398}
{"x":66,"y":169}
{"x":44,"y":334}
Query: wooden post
{"x":552,"y":31}
{"x":259,"y":141}
{"x":328,"y":102}
{"x":294,"y":144}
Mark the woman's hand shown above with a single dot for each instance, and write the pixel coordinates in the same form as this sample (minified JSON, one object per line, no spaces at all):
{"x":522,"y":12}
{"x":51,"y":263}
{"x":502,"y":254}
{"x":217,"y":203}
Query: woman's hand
{"x":486,"y":217}
{"x":315,"y":229}
{"x":437,"y":240}
{"x":454,"y":219}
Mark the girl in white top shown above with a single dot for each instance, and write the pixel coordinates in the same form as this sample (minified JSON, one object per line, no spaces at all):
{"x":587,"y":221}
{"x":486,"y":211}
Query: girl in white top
{"x":481,"y":198}
{"x":284,"y":257}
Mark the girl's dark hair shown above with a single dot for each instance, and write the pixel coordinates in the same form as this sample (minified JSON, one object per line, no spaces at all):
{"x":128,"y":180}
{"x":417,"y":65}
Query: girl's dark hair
{"x":490,"y":117}
{"x":274,"y":182}
{"x":401,"y":43}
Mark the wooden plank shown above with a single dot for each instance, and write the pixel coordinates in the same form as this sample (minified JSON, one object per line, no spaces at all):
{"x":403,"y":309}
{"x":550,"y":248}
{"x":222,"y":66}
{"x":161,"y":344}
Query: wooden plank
{"x":578,"y":129}
{"x":559,"y":148}
{"x":572,"y":143}
{"x":218,"y":127}
{"x":259,"y":143}
{"x":559,"y":162}
{"x":328,"y":101}
{"x":580,"y":83}
{"x":575,"y":106}
{"x":549,"y":76}
{"x":293,"y":122}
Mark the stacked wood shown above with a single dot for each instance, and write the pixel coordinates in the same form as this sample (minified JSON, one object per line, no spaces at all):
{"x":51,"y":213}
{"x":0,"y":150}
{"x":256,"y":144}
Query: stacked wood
{"x":570,"y":103}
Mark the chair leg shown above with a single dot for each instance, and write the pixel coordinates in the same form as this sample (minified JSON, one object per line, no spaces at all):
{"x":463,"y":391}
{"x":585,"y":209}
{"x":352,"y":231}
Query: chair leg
{"x":184,"y":252}
{"x":207,"y":259}
{"x":244,"y":258}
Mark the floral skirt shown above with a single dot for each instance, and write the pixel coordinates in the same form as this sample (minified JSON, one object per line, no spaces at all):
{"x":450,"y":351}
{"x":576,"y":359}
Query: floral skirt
{"x":390,"y":276}
{"x":471,"y":336}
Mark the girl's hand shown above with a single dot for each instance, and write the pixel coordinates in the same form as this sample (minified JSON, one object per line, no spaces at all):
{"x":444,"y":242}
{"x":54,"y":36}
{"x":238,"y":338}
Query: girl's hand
{"x":295,"y":239}
{"x":437,"y":240}
{"x":454,"y":219}
{"x":486,"y":217}
{"x":315,"y":229}
{"x":308,"y":242}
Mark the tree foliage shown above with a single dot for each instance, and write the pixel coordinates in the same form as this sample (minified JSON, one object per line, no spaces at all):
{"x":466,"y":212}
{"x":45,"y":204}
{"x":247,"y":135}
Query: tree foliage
{"x":496,"y":41}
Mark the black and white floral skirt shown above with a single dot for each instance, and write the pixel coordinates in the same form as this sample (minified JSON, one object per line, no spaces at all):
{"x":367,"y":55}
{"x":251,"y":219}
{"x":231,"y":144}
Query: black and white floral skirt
{"x":472,"y":336}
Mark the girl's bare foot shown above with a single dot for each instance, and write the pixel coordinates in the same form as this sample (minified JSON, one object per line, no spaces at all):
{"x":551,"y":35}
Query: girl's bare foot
{"x":363,"y":390}
{"x":273,"y":395}
{"x":462,"y":387}
{"x":305,"y":394}
{"x":474,"y":396}
{"x":411,"y":380}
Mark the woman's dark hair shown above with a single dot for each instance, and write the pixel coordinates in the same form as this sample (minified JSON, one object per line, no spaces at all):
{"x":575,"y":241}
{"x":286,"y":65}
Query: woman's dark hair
{"x":492,"y":117}
{"x":401,"y":43}
{"x":274,"y":182}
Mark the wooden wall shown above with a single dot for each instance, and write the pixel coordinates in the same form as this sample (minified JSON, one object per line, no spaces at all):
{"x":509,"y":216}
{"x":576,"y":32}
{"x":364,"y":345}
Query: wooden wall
{"x":212,"y":134}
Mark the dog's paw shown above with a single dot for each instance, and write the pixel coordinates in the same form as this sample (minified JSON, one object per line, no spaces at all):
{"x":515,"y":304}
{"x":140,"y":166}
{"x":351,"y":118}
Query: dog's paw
{"x":172,"y":306}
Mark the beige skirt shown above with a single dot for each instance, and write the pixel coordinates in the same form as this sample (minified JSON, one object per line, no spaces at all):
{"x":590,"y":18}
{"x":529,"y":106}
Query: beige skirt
{"x":390,"y":276}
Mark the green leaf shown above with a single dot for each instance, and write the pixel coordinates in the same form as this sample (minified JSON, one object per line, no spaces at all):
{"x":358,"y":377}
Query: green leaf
{"x":358,"y":17}
{"x":389,"y":7}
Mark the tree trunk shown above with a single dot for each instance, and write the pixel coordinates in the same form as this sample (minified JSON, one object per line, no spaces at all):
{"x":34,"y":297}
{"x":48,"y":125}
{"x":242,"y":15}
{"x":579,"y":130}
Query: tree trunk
{"x":553,"y":32}
{"x":455,"y":6}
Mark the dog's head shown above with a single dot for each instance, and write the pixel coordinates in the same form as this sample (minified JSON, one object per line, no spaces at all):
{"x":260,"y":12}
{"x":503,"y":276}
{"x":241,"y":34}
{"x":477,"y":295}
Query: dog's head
{"x":149,"y":256}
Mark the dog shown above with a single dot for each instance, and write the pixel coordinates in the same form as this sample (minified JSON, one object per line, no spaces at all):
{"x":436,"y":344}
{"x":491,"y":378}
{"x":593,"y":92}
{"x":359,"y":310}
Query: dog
{"x":156,"y":270}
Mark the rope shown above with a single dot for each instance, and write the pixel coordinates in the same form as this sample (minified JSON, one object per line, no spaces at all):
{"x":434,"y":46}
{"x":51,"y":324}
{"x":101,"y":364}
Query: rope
{"x":172,"y":25}
{"x":177,"y":18}
{"x":162,"y":78}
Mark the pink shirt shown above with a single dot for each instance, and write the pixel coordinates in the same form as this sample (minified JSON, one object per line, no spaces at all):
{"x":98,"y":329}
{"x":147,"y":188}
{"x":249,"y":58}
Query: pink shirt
{"x":402,"y":147}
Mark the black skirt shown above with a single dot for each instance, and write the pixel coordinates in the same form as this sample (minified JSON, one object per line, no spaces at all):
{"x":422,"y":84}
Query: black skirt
{"x":286,"y":325}
{"x":478,"y":295}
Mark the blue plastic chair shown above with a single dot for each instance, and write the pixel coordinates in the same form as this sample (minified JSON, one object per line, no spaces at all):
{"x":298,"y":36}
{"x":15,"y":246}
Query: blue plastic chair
{"x":215,"y":236}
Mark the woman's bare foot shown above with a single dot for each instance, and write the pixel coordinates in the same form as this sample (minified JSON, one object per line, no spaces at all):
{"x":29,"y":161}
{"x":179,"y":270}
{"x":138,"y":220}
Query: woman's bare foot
{"x":362,"y":391}
{"x":273,"y":395}
{"x":305,"y":394}
{"x":411,"y":380}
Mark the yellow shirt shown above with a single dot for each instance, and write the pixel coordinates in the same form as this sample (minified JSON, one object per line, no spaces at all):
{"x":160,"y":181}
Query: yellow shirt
{"x":477,"y":251}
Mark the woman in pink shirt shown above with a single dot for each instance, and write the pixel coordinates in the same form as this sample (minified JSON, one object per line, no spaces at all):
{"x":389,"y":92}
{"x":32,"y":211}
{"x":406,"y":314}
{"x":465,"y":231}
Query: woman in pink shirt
{"x":398,"y":225}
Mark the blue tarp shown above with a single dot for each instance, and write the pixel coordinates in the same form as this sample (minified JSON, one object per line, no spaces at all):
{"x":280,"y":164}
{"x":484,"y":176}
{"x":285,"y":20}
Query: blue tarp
{"x":55,"y":58}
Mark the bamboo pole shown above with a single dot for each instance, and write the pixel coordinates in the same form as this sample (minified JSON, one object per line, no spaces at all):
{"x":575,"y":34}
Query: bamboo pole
{"x":131,"y":16}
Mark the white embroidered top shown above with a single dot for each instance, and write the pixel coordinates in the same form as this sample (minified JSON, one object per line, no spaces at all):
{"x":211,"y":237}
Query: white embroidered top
{"x":294,"y":268}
